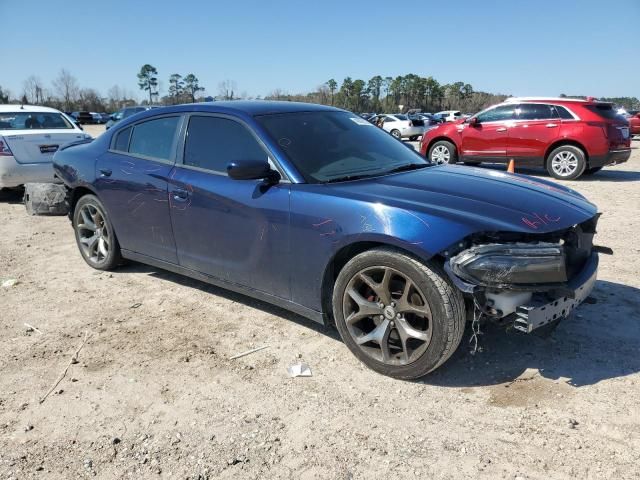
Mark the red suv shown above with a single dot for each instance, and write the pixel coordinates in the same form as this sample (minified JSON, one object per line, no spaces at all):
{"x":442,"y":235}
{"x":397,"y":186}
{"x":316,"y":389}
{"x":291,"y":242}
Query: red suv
{"x":634,"y":123}
{"x":568,"y":137}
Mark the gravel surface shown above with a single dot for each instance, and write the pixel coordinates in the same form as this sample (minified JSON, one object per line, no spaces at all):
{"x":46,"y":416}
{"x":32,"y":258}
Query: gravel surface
{"x":154,"y":393}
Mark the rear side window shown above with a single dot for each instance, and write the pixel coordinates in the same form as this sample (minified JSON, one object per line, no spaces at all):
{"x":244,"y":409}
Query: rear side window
{"x":121,"y":143}
{"x":213,"y":143}
{"x":33,"y":121}
{"x":604,"y":111}
{"x":506,"y":112}
{"x":154,"y":138}
{"x":564,"y":113}
{"x":535,"y":111}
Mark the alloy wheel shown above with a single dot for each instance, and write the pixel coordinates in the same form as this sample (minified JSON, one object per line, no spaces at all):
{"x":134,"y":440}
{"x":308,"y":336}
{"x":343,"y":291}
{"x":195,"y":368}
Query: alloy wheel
{"x":564,"y":163}
{"x":440,"y":155}
{"x":93,"y":233}
{"x":387,"y":315}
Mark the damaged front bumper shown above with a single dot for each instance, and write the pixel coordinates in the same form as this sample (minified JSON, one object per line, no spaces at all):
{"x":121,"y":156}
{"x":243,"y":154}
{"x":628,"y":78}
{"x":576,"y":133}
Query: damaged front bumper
{"x":527,"y":283}
{"x":540,"y":311}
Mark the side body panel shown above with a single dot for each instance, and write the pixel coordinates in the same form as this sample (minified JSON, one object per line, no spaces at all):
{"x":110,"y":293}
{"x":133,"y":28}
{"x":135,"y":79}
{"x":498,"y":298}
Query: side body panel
{"x":135,"y":194}
{"x":235,"y":230}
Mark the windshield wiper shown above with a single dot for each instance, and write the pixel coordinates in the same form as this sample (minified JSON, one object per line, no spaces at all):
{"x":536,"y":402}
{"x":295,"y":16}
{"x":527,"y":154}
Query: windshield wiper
{"x":346,"y":178}
{"x":407,"y":167}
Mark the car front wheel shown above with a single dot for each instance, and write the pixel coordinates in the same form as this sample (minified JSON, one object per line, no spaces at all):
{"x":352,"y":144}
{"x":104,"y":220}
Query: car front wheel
{"x":95,"y":236}
{"x":566,"y":162}
{"x":401,"y":317}
{"x":443,"y":152}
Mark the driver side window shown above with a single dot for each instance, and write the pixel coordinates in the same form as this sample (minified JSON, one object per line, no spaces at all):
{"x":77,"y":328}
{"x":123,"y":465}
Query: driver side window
{"x":498,"y":114}
{"x":212,"y":143}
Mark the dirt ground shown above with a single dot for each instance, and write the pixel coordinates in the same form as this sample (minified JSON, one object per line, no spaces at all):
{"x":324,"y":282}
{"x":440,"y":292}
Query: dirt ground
{"x":154,"y":393}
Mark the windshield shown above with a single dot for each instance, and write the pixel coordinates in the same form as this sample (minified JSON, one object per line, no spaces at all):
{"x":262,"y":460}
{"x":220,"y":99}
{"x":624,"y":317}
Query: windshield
{"x":33,"y":120}
{"x":335,"y":146}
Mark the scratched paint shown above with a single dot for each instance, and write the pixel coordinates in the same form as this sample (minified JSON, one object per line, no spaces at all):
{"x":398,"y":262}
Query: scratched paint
{"x":537,"y":220}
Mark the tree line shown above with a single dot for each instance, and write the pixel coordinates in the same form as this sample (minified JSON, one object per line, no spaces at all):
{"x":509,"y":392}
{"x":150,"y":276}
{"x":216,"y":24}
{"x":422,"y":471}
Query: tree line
{"x":378,"y":94}
{"x":388,"y":95}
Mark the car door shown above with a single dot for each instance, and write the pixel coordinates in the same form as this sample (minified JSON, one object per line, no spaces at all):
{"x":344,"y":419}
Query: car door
{"x":536,"y":126}
{"x":131,"y":180}
{"x":486,"y":140}
{"x":234,"y":230}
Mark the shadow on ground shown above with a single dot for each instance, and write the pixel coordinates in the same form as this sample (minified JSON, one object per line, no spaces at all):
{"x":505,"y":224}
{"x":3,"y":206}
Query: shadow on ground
{"x":598,"y":342}
{"x":12,"y":196}
{"x":230,"y":295}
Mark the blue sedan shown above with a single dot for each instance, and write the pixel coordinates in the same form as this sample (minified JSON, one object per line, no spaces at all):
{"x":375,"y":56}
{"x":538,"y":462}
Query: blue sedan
{"x":314,"y":209}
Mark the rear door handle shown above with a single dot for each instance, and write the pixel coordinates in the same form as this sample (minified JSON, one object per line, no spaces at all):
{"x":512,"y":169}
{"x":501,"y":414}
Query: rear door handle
{"x":551,"y":125}
{"x":180,"y":194}
{"x":105,"y":172}
{"x":501,"y":129}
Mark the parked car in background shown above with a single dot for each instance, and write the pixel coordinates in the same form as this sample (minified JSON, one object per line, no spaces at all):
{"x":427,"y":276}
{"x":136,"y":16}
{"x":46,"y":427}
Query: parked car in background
{"x":97,"y":117}
{"x":401,"y":126}
{"x":83,"y":117}
{"x":448,"y":115}
{"x":429,"y":120}
{"x":313,"y":209}
{"x":126,"y":112}
{"x":105,"y":117}
{"x":568,"y":137}
{"x":633,"y":117}
{"x":29,"y":136}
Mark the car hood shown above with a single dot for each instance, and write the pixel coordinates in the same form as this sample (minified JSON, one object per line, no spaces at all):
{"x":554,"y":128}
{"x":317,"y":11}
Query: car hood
{"x":480,"y":198}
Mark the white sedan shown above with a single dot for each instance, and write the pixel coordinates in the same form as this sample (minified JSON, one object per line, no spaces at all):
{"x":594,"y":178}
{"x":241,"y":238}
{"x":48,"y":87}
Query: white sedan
{"x":29,"y":136}
{"x":401,"y":126}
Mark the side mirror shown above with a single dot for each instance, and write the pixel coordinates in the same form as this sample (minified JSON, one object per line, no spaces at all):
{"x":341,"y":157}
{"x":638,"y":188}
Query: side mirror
{"x":252,"y":170}
{"x":473,"y":121}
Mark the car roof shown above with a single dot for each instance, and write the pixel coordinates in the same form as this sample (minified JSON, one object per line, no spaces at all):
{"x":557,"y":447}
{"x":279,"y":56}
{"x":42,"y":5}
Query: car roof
{"x":588,"y":100}
{"x":249,"y":107}
{"x":27,"y":108}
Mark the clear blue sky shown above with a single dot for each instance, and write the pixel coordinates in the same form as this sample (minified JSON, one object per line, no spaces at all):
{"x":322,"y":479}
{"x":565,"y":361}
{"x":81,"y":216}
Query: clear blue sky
{"x":536,"y":47}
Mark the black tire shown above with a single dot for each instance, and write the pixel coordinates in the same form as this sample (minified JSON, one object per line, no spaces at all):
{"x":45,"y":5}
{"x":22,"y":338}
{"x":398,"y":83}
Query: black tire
{"x":103,"y":239}
{"x":592,"y":170}
{"x":396,"y":134}
{"x":576,"y":162}
{"x":443,"y":152}
{"x":435,"y":293}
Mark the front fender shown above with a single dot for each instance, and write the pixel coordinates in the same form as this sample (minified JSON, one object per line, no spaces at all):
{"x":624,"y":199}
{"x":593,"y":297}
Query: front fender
{"x":338,"y":223}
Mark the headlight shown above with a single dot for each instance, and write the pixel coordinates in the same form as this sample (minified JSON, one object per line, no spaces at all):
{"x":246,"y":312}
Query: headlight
{"x":515,"y":263}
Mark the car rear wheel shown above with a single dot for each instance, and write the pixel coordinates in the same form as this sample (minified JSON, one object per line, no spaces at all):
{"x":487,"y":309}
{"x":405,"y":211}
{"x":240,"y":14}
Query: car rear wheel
{"x":95,"y":236}
{"x":396,"y":133}
{"x":592,"y":170}
{"x":566,"y":162}
{"x":399,"y":316}
{"x":443,"y":152}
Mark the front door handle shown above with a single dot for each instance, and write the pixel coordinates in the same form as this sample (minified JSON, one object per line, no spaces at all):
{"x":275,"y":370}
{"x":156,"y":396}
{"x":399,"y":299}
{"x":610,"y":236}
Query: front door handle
{"x":180,"y":194}
{"x":501,"y":129}
{"x":551,"y":125}
{"x":105,"y":172}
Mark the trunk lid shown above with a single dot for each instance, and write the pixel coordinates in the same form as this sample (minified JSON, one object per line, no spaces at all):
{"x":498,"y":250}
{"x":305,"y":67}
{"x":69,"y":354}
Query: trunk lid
{"x":38,"y":146}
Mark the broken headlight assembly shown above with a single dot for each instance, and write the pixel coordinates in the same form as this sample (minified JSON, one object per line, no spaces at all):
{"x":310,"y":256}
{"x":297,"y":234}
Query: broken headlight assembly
{"x":495,"y":265}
